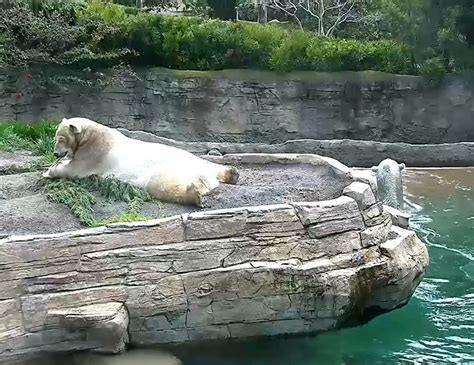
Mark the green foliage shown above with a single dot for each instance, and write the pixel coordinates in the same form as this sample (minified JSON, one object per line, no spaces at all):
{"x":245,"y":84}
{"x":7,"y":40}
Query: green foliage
{"x":108,"y":14}
{"x":133,"y":37}
{"x":293,"y":53}
{"x":5,"y":45}
{"x":198,"y":8}
{"x":125,"y":217}
{"x":433,"y":68}
{"x":37,"y":137}
{"x":113,"y":189}
{"x":52,"y":33}
{"x":79,"y":196}
{"x":103,"y":35}
{"x":260,"y":41}
{"x":192,"y":44}
{"x":76,"y":198}
{"x":303,"y":52}
{"x":442,"y":28}
{"x":44,"y":146}
{"x":95,"y":34}
{"x":10,"y":141}
{"x":132,"y":214}
{"x":189,"y":43}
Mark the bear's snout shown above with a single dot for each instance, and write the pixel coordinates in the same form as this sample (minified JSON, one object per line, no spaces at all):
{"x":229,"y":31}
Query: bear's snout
{"x":59,"y":154}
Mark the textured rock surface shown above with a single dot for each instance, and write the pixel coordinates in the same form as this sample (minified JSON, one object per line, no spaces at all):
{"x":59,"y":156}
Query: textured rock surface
{"x":250,"y":271}
{"x":252,"y":106}
{"x":17,"y":162}
{"x":351,"y":152}
{"x":24,"y":208}
{"x":398,"y":218}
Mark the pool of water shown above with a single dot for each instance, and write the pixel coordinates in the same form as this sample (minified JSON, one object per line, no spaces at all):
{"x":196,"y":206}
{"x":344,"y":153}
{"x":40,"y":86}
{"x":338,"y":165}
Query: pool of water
{"x":436,"y":326}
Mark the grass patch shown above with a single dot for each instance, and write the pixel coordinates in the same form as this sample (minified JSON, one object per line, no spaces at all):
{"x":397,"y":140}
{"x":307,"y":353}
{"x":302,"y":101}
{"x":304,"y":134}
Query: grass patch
{"x":37,"y":138}
{"x":79,"y":196}
{"x":76,"y":198}
{"x":125,"y":217}
{"x":113,"y":189}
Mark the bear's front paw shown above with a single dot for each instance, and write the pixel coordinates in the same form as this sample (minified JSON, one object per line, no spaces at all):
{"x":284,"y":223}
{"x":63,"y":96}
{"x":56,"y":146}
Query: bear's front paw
{"x":47,"y":174}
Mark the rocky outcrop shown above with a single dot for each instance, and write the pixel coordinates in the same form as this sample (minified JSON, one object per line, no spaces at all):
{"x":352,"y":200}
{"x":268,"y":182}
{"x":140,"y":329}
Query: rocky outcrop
{"x":301,"y":267}
{"x":253,"y":106}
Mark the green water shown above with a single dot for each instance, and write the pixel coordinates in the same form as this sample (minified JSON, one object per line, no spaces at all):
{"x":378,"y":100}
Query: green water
{"x":436,"y":326}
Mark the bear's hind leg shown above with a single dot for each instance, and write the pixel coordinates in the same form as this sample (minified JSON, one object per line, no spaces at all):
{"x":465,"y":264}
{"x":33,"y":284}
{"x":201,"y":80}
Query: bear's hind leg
{"x":228,"y":175}
{"x":198,"y":189}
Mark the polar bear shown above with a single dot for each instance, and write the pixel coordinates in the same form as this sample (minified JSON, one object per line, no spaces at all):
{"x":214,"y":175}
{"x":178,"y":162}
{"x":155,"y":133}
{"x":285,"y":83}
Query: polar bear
{"x":390,"y":182}
{"x":84,"y":148}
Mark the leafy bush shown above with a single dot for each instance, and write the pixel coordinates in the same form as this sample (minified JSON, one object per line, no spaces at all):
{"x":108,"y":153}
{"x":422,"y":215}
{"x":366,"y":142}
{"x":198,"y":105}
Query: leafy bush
{"x":96,"y":35}
{"x":292,"y":54}
{"x":53,"y":34}
{"x":189,"y":43}
{"x":433,"y":68}
{"x":260,"y":41}
{"x":309,"y":52}
{"x":137,"y":37}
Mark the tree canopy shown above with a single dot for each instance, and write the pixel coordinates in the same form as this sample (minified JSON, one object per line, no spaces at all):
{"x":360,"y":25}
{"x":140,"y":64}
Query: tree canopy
{"x":412,"y":36}
{"x":433,"y":28}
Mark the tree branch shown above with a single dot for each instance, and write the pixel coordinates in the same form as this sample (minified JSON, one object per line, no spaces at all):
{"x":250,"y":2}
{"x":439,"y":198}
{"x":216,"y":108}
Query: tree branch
{"x":328,"y":15}
{"x":341,"y":18}
{"x":290,"y":9}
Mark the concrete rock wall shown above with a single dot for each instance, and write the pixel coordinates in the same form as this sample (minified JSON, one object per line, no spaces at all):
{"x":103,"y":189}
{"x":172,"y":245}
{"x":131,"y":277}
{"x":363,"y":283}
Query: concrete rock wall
{"x":349,"y":152}
{"x":241,"y":272}
{"x":251,"y":106}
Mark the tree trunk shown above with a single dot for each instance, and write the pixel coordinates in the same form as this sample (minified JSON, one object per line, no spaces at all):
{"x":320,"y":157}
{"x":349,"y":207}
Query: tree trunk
{"x":263,"y":12}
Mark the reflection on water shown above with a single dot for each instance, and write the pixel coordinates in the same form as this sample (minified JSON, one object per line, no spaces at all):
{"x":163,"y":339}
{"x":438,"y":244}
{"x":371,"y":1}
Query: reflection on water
{"x":437,"y":325}
{"x":135,"y":357}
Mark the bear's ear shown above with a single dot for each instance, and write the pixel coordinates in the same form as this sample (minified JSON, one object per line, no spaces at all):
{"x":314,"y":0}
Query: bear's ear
{"x":401,"y":166}
{"x":75,"y":128}
{"x":374,"y":168}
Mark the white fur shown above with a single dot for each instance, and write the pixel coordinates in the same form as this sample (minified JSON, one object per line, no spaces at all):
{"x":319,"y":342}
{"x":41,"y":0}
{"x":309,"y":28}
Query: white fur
{"x":147,"y":165}
{"x":135,"y":162}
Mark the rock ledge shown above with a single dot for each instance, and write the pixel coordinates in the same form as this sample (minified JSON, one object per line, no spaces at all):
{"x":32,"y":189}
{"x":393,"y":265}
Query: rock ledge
{"x":302,"y":267}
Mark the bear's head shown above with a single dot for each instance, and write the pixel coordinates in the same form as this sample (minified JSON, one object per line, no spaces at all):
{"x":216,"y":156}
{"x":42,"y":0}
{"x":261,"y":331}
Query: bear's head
{"x":67,"y":138}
